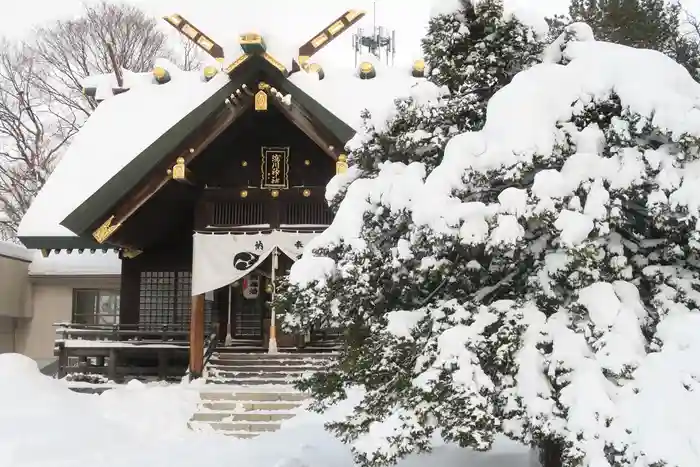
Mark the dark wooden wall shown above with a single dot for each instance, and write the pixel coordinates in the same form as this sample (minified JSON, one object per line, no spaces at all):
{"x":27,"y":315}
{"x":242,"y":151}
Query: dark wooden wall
{"x":221,"y":165}
{"x":163,"y":227}
{"x":173,"y":256}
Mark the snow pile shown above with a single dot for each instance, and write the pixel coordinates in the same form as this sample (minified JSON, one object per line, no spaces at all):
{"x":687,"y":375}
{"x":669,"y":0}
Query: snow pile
{"x":14,"y":251}
{"x":44,"y":424}
{"x":580,"y":195}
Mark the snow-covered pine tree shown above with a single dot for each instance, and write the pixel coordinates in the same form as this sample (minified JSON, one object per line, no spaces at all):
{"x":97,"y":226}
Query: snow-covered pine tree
{"x":389,"y":266}
{"x":572,"y":327}
{"x":650,"y":24}
{"x":584,"y":204}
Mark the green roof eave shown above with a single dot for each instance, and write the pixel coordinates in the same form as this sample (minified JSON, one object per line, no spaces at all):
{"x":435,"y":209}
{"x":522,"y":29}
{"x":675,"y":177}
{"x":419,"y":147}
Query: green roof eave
{"x":63,"y":243}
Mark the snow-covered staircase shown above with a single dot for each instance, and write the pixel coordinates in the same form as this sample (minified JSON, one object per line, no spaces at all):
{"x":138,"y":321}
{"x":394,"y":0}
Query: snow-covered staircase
{"x":248,"y":394}
{"x":261,"y":368}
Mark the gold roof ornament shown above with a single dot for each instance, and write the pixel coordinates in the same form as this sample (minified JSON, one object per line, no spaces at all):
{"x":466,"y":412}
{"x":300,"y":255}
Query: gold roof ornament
{"x":161,"y":75}
{"x":203,"y":41}
{"x":130,"y":253}
{"x":367,"y":71}
{"x":252,"y":43}
{"x":209,"y":72}
{"x":328,"y":34}
{"x":260,"y":101}
{"x":418,"y":69}
{"x":179,"y":169}
{"x":341,"y":165}
{"x":103,"y":232}
{"x":315,"y":68}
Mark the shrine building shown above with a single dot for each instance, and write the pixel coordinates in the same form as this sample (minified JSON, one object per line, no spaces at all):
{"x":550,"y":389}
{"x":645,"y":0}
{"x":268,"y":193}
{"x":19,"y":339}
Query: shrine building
{"x":209,"y":184}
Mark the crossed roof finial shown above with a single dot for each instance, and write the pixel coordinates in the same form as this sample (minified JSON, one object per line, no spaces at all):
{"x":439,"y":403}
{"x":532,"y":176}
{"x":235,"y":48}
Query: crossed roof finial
{"x":252,"y":43}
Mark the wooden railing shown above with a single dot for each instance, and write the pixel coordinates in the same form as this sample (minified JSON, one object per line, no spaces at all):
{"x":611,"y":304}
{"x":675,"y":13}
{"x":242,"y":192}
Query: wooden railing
{"x":211,"y":342}
{"x":123,"y":332}
{"x":118,"y":352}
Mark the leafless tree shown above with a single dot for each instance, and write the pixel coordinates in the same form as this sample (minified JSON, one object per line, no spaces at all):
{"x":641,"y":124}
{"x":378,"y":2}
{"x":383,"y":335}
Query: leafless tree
{"x":692,"y":24}
{"x":33,"y":130}
{"x":41,"y":100}
{"x":74,"y":49}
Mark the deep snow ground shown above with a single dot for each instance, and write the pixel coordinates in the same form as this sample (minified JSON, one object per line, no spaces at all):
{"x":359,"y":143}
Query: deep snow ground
{"x":44,"y":424}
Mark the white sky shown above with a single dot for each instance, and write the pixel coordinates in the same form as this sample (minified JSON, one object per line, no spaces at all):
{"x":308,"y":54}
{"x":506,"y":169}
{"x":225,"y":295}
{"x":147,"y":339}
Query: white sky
{"x":293,"y":20}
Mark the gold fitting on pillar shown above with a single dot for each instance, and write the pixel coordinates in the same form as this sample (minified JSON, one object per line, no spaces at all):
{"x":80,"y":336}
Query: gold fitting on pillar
{"x":261,"y":101}
{"x":179,"y":169}
{"x":341,"y":165}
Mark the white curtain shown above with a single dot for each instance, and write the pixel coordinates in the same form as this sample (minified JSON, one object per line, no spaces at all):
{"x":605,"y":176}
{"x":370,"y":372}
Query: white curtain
{"x":221,"y":259}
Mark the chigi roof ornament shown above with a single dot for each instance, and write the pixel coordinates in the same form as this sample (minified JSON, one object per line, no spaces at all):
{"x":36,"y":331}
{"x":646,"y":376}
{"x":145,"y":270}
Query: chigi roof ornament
{"x":252,"y":43}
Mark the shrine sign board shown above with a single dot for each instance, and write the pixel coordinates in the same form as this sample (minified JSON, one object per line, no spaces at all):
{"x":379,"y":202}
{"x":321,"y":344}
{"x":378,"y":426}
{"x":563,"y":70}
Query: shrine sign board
{"x":275,"y":168}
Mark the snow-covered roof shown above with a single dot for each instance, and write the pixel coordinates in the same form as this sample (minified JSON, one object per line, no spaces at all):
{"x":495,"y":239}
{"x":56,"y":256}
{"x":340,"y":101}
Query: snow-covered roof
{"x":126,"y":124}
{"x":98,"y":263}
{"x":14,"y":251}
{"x":62,"y":263}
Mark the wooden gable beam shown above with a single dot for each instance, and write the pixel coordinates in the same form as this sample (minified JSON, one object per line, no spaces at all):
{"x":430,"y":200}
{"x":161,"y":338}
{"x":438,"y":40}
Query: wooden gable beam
{"x":188,"y":151}
{"x":327,"y":34}
{"x":296,"y":114}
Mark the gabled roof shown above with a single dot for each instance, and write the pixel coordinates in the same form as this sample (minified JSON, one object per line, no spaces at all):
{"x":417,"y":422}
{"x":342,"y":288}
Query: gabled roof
{"x":123,"y":182}
{"x":129,"y":134}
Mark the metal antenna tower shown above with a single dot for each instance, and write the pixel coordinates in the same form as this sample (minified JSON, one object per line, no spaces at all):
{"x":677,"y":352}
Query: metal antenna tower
{"x":380,"y":42}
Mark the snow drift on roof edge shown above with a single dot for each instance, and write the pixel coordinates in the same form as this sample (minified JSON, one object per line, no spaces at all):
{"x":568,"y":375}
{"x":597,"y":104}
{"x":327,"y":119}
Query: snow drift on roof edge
{"x":118,"y":130}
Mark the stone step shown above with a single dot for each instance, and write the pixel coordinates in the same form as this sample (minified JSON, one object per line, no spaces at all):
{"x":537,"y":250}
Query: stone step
{"x":240,"y":435}
{"x":270,"y":364}
{"x":256,"y":374}
{"x":249,"y":381}
{"x":273,"y":357}
{"x":253,"y":397}
{"x":241,"y":417}
{"x":266,"y":368}
{"x":272,"y":406}
{"x":247,"y":427}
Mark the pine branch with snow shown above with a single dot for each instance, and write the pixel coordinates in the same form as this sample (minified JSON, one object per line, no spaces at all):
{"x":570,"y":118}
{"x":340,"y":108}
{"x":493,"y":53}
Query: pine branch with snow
{"x":470,"y":53}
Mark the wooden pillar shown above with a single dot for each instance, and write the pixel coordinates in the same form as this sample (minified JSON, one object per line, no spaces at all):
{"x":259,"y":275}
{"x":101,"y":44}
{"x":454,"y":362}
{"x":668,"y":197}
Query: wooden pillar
{"x":197,"y":337}
{"x":112,"y":364}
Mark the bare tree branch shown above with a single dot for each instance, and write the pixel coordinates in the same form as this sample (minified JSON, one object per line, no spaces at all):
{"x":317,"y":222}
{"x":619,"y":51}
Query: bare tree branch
{"x":42,"y":104}
{"x":33,"y":130}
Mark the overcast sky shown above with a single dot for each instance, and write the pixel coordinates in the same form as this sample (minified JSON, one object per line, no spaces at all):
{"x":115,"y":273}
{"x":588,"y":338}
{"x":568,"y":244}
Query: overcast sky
{"x":22,"y":15}
{"x":294,"y":20}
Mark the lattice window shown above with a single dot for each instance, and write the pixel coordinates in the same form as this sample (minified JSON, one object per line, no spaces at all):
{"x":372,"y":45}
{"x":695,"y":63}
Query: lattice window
{"x":239,"y":213}
{"x":308,"y":213}
{"x":183,"y":303}
{"x":166,"y":299}
{"x":156,"y":299}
